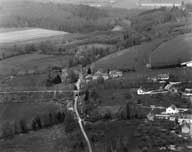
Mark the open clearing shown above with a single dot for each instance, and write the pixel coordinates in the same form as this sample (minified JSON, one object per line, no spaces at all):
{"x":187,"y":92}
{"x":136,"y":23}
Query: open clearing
{"x":30,"y":62}
{"x":28,"y":35}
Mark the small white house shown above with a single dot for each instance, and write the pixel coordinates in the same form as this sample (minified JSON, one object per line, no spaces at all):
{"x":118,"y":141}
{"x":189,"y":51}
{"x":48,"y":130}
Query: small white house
{"x":89,"y":78}
{"x":115,"y":74}
{"x":117,"y":28}
{"x":163,"y":76}
{"x":172,"y":110}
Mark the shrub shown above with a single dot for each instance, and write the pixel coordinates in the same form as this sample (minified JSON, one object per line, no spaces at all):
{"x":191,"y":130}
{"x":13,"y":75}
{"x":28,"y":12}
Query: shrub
{"x":23,"y":126}
{"x":60,"y":116}
{"x":36,"y":123}
{"x":107,"y":116}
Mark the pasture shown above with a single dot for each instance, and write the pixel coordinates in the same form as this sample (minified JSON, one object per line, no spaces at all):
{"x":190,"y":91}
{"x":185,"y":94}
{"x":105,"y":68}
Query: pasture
{"x":134,"y":58}
{"x":30,"y":62}
{"x":25,"y":110}
{"x":173,"y":52}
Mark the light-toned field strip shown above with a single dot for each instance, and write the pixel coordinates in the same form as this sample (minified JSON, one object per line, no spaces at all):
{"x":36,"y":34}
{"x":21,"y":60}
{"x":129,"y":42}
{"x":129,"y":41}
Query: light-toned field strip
{"x":27,"y":35}
{"x":40,"y":91}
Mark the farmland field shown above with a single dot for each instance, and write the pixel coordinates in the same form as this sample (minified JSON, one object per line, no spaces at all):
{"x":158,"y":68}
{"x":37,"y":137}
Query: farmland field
{"x":29,"y":62}
{"x":24,"y":110}
{"x":133,"y":58}
{"x":4,"y":30}
{"x":27,"y":35}
{"x":175,"y":51}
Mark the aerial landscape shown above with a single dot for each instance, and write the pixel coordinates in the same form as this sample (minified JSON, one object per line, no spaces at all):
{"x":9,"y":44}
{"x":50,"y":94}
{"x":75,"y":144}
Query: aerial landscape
{"x":96,"y":76}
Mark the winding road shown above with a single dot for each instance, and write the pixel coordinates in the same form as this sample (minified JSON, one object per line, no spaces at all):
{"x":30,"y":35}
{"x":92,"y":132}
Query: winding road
{"x":80,"y":121}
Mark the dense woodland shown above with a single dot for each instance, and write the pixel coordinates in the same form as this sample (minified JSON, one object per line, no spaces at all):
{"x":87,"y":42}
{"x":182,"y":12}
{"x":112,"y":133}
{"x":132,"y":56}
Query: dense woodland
{"x":71,"y":18}
{"x":63,"y":17}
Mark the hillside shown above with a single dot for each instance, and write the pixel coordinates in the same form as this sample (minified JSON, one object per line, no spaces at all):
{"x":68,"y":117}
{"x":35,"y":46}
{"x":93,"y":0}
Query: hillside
{"x":64,"y":17}
{"x":173,"y":52}
{"x":160,"y":53}
{"x":134,"y":58}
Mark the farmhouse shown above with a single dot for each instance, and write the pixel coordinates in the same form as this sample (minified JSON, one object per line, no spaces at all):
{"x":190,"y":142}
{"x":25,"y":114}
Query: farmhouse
{"x":115,"y":74}
{"x":172,"y":110}
{"x":99,"y":74}
{"x":161,"y":3}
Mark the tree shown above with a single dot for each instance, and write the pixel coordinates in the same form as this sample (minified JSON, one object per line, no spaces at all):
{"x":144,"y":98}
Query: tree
{"x":89,"y":71}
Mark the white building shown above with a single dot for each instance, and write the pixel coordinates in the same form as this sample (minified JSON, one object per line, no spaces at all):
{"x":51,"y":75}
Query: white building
{"x":161,"y":3}
{"x":172,"y":110}
{"x":187,"y":64}
{"x":115,"y":74}
{"x":117,"y":28}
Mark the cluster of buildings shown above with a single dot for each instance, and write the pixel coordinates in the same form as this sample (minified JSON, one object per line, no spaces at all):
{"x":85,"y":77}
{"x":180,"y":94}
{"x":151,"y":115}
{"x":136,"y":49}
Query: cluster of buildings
{"x":182,"y":116}
{"x":160,"y":77}
{"x":104,"y":75}
{"x":63,"y":75}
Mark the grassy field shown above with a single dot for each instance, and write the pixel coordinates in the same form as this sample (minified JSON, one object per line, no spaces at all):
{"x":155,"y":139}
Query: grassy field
{"x":159,"y":53}
{"x":25,"y":110}
{"x":133,"y":58}
{"x":174,"y":51}
{"x":18,"y":41}
{"x":26,"y":82}
{"x":4,"y":30}
{"x":35,"y":62}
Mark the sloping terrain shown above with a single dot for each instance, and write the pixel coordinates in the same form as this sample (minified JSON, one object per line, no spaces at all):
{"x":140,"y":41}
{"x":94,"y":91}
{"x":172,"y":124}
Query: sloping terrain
{"x":28,"y":62}
{"x":64,"y":17}
{"x":173,"y":52}
{"x":159,"y":53}
{"x":134,"y":58}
